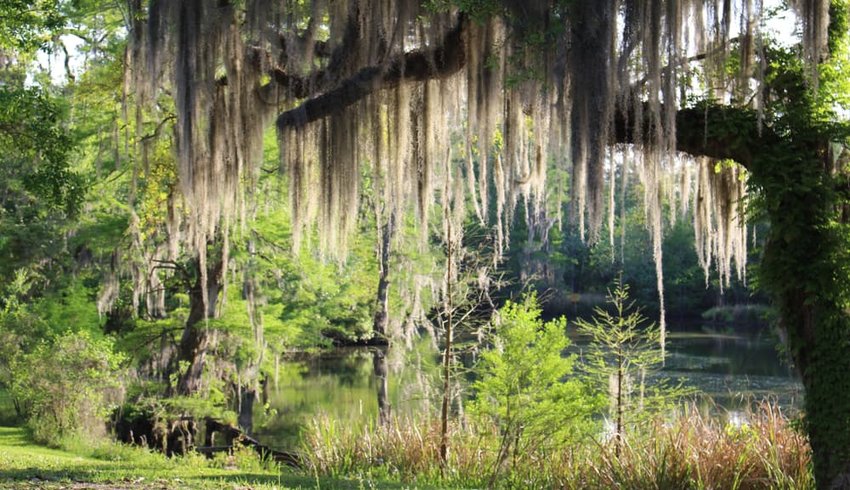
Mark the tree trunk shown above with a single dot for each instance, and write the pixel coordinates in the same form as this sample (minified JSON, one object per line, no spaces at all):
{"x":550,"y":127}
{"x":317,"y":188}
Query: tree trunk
{"x":251,"y":376}
{"x":618,"y":437}
{"x":447,"y":355}
{"x":195,"y":341}
{"x":381,"y":321}
{"x":246,"y":410}
{"x":264,"y":389}
{"x":380,"y":326}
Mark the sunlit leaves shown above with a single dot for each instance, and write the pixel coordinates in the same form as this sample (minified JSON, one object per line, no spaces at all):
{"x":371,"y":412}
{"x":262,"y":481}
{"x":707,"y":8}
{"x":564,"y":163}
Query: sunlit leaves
{"x":35,"y":148}
{"x":27,"y":24}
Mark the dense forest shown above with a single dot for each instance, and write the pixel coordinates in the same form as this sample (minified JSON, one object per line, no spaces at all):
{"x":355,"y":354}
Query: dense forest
{"x":532,"y":199}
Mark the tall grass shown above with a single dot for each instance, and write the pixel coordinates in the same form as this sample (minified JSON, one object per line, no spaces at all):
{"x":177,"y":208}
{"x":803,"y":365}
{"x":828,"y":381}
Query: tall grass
{"x":688,"y":450}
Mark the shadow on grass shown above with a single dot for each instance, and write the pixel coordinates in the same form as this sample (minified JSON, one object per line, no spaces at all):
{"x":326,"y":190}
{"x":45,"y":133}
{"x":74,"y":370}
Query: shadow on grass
{"x":289,"y":480}
{"x":63,"y":474}
{"x":28,"y":465}
{"x":106,"y":474}
{"x":14,"y":437}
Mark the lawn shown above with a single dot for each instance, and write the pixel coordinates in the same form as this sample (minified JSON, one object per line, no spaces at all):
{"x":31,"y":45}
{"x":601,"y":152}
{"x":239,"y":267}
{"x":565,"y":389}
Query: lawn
{"x":26,"y":465}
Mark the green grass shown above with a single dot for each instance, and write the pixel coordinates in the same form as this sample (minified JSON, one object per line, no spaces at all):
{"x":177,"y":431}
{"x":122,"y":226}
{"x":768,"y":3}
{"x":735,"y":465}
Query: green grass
{"x":24,"y":464}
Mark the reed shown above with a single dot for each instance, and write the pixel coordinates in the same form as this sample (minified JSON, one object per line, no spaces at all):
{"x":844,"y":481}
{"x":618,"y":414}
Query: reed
{"x":689,"y":449}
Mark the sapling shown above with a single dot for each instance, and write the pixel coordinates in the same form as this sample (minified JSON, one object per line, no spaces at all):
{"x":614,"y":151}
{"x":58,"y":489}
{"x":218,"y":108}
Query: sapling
{"x":623,"y":353}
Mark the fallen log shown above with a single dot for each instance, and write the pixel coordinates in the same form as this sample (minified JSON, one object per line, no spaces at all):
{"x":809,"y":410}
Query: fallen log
{"x":233,"y":434}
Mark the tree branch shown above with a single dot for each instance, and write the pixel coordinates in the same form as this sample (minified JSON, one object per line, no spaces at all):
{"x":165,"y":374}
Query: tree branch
{"x":714,"y":131}
{"x":444,"y":60}
{"x":302,"y":87}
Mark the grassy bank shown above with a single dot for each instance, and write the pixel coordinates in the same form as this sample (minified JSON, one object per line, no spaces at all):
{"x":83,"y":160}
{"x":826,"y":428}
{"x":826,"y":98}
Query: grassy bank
{"x":25,"y":465}
{"x":761,"y":450}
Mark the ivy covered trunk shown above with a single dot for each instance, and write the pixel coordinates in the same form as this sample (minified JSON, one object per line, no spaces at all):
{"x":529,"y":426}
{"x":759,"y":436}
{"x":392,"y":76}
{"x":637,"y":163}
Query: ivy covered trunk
{"x":825,"y":369}
{"x":806,"y":269}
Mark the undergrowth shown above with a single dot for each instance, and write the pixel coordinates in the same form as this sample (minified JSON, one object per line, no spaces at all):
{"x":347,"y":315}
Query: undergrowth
{"x":685,"y":450}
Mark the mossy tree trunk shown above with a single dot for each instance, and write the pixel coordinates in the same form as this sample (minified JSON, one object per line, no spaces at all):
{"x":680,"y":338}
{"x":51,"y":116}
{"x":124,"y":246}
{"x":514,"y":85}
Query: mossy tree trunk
{"x":195,"y":341}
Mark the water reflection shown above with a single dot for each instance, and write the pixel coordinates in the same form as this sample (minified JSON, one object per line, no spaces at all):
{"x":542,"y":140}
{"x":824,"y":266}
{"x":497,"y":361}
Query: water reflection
{"x":734,"y":370}
{"x":350,"y":385}
{"x":381,"y":370}
{"x":363,"y":386}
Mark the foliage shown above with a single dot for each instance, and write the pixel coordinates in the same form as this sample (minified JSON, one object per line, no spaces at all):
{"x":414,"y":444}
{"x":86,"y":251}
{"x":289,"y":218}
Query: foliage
{"x":29,"y":317}
{"x":624,"y":357}
{"x":36,"y":148}
{"x":27,"y":24}
{"x":39,"y":190}
{"x":741,"y":315}
{"x":68,"y":386}
{"x":17,"y":323}
{"x":245,"y":459}
{"x":526,"y":387}
{"x":310,"y":296}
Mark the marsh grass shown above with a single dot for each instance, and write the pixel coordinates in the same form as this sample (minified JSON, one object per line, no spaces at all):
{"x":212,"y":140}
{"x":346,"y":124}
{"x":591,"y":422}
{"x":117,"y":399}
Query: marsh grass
{"x":685,"y":450}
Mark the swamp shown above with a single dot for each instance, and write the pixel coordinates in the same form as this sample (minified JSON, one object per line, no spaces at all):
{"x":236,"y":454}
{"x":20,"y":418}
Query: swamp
{"x":573,"y":244}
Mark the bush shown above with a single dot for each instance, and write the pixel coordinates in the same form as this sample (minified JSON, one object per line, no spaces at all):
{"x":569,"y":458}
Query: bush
{"x":756,"y":316}
{"x":68,"y":387}
{"x":526,"y":389}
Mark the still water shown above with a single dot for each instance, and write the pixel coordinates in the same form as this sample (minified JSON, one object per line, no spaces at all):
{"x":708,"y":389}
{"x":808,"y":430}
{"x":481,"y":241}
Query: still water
{"x":733,"y":369}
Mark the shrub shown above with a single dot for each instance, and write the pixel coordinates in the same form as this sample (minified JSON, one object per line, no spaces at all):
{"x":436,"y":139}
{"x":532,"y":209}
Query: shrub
{"x":67,"y":387}
{"x":526,"y":389}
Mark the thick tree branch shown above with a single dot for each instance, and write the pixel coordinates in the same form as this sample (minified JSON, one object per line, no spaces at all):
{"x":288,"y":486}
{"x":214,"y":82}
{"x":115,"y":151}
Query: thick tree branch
{"x":303,"y":86}
{"x":421,"y":65}
{"x":714,"y":131}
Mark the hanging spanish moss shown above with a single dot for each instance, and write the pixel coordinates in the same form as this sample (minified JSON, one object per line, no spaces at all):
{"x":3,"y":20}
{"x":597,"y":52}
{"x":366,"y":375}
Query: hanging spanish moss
{"x":220,"y":112}
{"x":591,"y":99}
{"x":384,"y":83}
{"x":814,"y":15}
{"x":719,"y":228}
